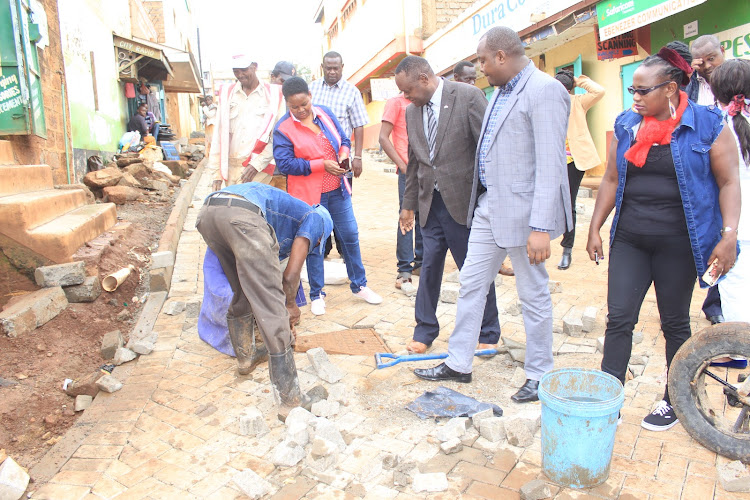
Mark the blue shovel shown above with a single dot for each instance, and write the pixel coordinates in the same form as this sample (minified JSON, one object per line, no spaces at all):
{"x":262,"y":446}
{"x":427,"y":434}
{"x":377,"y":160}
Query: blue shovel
{"x":420,"y":357}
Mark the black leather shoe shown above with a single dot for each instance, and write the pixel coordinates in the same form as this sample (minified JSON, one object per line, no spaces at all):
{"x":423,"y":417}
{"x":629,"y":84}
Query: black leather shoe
{"x":715,"y":320}
{"x":442,"y":372}
{"x":527,"y":393}
{"x":567,"y":256}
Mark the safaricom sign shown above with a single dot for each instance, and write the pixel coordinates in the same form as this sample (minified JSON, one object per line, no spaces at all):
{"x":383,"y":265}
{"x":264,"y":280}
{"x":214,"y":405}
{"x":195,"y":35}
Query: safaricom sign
{"x":618,"y":17}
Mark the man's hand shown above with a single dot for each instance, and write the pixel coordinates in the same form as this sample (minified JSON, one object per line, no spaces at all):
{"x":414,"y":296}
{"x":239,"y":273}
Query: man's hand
{"x":406,"y":221}
{"x":216,"y":185}
{"x":537,"y":247}
{"x":333,"y":168}
{"x":697,"y":63}
{"x":248,"y":174}
{"x":725,"y":253}
{"x":401,"y":165}
{"x":294,"y":315}
{"x":357,"y":167}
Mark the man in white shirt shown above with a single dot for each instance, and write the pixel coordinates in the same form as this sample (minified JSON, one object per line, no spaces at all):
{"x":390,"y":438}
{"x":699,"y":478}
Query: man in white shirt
{"x":248,"y":110}
{"x":708,"y":54}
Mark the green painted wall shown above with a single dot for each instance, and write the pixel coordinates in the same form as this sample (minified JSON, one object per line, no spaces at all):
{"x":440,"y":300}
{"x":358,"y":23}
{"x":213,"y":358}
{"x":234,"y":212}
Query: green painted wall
{"x":712,"y":16}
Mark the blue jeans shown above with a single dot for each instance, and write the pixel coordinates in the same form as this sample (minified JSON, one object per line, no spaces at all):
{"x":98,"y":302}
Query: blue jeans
{"x":408,"y":248}
{"x":342,"y":213}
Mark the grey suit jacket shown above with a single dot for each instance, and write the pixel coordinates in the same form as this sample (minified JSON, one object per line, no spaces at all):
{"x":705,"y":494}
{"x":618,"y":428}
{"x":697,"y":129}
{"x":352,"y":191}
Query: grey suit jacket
{"x":459,"y":125}
{"x":526,"y":172}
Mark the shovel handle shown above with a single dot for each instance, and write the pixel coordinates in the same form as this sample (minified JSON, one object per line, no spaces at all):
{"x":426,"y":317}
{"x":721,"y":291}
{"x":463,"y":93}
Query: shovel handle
{"x":379,"y":363}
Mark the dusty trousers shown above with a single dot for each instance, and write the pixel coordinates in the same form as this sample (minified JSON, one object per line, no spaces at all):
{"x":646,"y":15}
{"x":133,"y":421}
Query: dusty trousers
{"x":248,"y":251}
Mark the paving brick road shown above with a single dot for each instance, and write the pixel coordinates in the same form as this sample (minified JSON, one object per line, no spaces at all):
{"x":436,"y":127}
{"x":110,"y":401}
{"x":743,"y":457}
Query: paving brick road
{"x":173,"y":429}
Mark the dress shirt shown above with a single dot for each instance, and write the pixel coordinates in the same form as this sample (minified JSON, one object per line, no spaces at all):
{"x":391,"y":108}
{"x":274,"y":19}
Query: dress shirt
{"x":497,"y":106}
{"x":705,"y":96}
{"x":344,"y":99}
{"x":436,"y":100}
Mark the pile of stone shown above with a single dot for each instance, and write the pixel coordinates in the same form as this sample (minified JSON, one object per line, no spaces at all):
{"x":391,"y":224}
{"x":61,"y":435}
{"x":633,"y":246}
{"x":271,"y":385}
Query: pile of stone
{"x":130,"y":177}
{"x":13,"y":478}
{"x":61,"y":284}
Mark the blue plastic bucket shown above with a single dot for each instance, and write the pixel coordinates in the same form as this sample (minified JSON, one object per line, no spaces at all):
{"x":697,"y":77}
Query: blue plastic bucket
{"x":579,"y":419}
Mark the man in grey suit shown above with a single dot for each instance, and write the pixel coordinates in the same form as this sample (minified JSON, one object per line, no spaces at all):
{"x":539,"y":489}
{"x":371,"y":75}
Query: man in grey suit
{"x":522,"y":201}
{"x":443,"y":122}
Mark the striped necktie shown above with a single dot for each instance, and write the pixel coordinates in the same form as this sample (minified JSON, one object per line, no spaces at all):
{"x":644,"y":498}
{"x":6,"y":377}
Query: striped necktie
{"x":431,"y":129}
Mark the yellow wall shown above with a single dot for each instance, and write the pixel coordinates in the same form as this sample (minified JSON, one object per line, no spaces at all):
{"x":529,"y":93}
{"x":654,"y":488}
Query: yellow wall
{"x":372,"y":129}
{"x":601,"y":117}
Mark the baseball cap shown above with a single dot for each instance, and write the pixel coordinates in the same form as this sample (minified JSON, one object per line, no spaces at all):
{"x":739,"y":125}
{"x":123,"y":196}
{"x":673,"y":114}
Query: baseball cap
{"x":284,"y":69}
{"x":241,"y":61}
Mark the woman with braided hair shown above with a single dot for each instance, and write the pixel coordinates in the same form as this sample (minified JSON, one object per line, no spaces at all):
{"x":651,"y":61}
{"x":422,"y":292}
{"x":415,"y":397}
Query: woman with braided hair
{"x":730,"y":84}
{"x":672,"y":179}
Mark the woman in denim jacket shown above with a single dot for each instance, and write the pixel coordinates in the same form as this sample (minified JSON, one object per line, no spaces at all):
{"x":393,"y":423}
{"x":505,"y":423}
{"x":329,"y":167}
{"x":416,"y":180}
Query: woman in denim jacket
{"x":672,"y":179}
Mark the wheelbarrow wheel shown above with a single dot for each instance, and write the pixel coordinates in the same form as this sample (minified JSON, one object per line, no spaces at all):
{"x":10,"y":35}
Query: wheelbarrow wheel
{"x":699,"y":401}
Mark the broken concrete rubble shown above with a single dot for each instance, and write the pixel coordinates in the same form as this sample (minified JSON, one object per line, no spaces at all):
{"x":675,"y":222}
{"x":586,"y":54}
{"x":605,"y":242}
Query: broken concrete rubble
{"x":123,"y":355}
{"x":82,"y":402}
{"x":88,"y":291}
{"x":452,"y":446}
{"x":26,"y":313}
{"x":492,"y":429}
{"x":455,"y":428}
{"x":71,"y":273}
{"x":111,"y":342}
{"x":251,"y":484}
{"x":108,"y":383}
{"x":288,"y":454}
{"x":326,"y":370}
{"x":535,"y":489}
{"x":325,"y":408}
{"x":252,"y":423}
{"x":13,"y":480}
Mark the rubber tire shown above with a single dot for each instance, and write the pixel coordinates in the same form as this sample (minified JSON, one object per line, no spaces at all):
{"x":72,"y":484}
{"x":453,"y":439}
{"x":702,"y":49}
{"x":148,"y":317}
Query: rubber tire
{"x":723,"y":338}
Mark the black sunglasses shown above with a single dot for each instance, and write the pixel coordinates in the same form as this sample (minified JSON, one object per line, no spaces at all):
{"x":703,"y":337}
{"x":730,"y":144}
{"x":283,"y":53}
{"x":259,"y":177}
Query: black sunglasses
{"x":633,"y":90}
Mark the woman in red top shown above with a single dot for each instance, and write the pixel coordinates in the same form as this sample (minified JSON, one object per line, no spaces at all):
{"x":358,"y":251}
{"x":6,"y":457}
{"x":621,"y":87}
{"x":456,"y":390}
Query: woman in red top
{"x":309,"y":146}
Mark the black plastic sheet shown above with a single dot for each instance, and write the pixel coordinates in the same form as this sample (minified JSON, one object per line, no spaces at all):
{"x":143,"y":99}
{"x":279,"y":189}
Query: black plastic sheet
{"x":444,"y":402}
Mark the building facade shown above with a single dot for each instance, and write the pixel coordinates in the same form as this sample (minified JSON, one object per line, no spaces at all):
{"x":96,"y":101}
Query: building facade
{"x":574,"y":34}
{"x":76,"y":65}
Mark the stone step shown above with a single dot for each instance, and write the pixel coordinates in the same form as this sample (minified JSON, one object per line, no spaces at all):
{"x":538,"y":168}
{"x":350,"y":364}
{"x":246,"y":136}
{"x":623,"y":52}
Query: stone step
{"x":58,"y":239}
{"x":24,"y":211}
{"x":15,"y":179}
{"x":6,"y":153}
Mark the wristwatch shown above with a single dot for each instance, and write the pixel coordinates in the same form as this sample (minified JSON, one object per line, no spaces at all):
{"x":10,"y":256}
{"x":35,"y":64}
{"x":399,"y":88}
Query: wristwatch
{"x":727,"y":229}
{"x":355,"y":157}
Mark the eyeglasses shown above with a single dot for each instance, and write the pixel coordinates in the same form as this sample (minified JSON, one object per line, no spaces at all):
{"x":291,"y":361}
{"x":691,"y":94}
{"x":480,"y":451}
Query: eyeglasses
{"x":634,"y":90}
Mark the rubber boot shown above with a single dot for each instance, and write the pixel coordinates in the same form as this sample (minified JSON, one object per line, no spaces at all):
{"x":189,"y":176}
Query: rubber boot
{"x":285,"y":383}
{"x":241,"y":333}
{"x":566,"y":258}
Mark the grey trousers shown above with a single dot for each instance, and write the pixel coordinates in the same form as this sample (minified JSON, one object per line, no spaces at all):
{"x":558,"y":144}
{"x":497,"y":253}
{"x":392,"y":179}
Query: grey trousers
{"x":246,"y":247}
{"x":482,"y":264}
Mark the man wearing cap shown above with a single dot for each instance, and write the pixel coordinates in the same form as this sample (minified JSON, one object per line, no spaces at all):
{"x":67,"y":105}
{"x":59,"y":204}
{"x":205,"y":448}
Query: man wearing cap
{"x":251,"y":227}
{"x":241,"y":149}
{"x":282,"y":72}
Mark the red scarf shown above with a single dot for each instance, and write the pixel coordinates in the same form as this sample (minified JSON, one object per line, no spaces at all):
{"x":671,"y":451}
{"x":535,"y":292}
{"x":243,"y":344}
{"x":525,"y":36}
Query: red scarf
{"x":652,"y":132}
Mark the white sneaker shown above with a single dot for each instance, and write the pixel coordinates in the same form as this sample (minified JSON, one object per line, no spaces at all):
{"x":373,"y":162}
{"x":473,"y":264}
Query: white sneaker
{"x":318,"y":307}
{"x":368,"y":295}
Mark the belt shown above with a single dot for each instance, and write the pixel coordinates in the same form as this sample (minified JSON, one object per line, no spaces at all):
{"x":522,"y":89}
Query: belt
{"x":233,"y":202}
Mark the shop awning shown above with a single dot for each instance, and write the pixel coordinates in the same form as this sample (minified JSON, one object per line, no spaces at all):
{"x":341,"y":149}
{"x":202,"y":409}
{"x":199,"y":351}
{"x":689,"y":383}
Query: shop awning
{"x":186,"y":76}
{"x":138,"y":58}
{"x":389,"y":55}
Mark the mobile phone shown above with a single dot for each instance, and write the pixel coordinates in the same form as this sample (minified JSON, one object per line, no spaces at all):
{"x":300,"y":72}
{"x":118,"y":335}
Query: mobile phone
{"x":345,"y":164}
{"x":710,"y":280}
